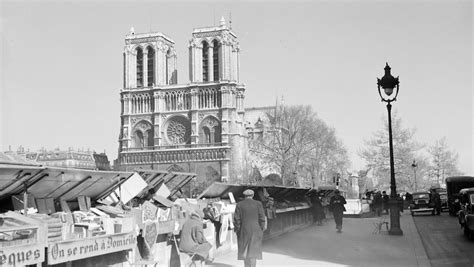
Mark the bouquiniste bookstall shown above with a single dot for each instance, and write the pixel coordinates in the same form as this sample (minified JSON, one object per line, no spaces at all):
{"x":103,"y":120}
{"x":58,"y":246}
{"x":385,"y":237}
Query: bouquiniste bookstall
{"x":73,"y":217}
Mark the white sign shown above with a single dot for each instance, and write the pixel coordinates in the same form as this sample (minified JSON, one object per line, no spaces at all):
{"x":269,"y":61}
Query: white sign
{"x":21,"y":255}
{"x":89,"y":247}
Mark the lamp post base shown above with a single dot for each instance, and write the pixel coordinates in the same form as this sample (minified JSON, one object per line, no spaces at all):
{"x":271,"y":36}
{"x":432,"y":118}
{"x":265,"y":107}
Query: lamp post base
{"x":394,"y":218}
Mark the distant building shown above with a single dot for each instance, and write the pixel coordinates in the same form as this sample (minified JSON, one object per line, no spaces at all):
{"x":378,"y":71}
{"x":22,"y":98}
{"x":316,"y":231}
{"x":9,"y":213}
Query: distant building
{"x":70,"y":158}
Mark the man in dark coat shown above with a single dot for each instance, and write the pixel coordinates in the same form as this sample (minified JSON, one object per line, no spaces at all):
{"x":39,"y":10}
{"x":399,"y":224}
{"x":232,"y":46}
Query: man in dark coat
{"x":378,"y":203}
{"x":318,"y":212}
{"x":385,"y":200}
{"x":436,"y":199}
{"x":337,"y":206}
{"x":249,"y":224}
{"x":192,"y":238}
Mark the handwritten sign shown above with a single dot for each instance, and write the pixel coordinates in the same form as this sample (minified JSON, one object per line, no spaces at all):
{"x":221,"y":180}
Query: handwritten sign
{"x":21,"y":255}
{"x":86,"y":248}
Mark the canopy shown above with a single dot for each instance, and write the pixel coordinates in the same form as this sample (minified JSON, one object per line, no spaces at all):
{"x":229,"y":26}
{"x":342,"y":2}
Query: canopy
{"x":221,"y":190}
{"x":57,"y":183}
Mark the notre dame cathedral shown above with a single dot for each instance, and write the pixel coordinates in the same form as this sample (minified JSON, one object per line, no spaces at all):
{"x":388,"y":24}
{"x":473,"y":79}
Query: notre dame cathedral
{"x":199,"y":127}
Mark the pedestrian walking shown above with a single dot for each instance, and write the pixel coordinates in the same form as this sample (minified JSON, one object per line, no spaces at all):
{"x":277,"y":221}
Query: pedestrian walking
{"x":337,"y":207}
{"x":436,"y":199}
{"x":385,"y":200}
{"x":249,"y":224}
{"x":317,"y":208}
{"x":378,"y":203}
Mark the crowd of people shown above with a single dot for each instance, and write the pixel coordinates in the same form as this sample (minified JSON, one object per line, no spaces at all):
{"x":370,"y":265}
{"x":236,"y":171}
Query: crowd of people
{"x":379,"y":202}
{"x":321,"y":204}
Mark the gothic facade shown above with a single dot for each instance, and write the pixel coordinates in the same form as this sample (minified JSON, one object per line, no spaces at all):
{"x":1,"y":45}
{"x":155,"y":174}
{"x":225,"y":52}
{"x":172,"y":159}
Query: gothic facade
{"x":197,"y":127}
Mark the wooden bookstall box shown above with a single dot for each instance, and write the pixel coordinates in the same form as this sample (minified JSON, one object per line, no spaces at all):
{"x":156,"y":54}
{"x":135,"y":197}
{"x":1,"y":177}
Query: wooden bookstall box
{"x":22,"y":240}
{"x":71,"y":250}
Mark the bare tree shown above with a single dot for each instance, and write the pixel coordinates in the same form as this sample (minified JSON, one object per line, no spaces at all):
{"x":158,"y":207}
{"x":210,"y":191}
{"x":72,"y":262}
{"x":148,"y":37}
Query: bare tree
{"x":377,"y":156}
{"x":300,"y":144}
{"x":443,"y":161}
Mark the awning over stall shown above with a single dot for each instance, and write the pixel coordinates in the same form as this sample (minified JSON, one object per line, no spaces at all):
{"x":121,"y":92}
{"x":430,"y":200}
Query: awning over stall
{"x":57,"y":183}
{"x":279,"y":193}
{"x":327,"y":190}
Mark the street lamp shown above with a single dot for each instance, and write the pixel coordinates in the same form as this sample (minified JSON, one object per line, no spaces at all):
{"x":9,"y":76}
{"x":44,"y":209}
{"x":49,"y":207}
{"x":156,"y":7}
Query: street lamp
{"x":389,"y":84}
{"x":414,"y":165}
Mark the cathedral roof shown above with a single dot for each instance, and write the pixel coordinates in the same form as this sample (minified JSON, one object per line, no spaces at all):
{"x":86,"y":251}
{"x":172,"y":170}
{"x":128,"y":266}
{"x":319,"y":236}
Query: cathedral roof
{"x":135,"y":36}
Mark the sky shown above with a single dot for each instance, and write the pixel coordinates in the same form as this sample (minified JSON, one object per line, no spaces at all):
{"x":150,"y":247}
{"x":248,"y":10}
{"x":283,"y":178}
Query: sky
{"x":61,"y":65}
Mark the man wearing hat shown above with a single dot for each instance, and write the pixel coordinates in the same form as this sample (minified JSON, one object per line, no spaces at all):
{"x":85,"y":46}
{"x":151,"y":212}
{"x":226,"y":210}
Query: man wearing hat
{"x":337,"y":206}
{"x":249,"y":224}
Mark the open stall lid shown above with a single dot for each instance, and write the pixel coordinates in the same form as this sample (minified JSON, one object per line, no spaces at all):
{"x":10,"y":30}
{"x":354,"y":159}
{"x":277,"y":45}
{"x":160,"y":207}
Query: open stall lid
{"x":58,"y":183}
{"x":221,"y":190}
{"x":174,"y":181}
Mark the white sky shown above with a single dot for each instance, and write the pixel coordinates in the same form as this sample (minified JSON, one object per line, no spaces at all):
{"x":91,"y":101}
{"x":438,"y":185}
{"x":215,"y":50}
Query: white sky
{"x":61,"y":65}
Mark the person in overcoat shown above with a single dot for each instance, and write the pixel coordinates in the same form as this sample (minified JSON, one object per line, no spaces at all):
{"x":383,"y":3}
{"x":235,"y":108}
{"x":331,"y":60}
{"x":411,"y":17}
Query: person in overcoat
{"x":249,"y":224}
{"x":436,"y":199}
{"x":192,"y":238}
{"x":337,"y":207}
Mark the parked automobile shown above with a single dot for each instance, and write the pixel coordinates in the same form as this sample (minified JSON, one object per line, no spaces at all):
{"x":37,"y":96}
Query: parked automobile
{"x":453,"y":185}
{"x":421,"y":203}
{"x":466,"y":213}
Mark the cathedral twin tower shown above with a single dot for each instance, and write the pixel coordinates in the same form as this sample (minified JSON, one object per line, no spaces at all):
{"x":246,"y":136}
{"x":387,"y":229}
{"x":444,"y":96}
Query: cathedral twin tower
{"x":197,"y":127}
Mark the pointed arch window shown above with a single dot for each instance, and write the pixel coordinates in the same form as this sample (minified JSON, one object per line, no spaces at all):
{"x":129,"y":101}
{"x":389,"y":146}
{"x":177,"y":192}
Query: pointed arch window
{"x":139,"y":141}
{"x":168,"y":66}
{"x":151,"y":66}
{"x":150,"y":140}
{"x":215,"y":59}
{"x":139,"y":67}
{"x":207,"y":135}
{"x":217,"y":134}
{"x":205,"y":61}
{"x":124,"y":71}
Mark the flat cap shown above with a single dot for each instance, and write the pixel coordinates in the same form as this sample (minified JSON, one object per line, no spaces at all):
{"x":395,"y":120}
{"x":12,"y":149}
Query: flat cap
{"x":248,"y":192}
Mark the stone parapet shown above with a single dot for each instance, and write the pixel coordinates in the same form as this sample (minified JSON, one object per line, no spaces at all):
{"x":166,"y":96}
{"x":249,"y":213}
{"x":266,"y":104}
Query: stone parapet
{"x":179,"y":155}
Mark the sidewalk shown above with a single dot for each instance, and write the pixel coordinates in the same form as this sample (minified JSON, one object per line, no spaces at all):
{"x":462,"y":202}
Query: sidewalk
{"x":356,"y":246}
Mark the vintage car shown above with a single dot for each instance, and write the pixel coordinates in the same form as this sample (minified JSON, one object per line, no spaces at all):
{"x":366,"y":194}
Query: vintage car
{"x":466,"y":213}
{"x":421,"y":203}
{"x":454,"y":184}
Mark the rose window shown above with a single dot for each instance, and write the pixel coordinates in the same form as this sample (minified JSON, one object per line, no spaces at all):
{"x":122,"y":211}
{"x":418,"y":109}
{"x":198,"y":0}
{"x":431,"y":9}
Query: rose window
{"x":178,"y":130}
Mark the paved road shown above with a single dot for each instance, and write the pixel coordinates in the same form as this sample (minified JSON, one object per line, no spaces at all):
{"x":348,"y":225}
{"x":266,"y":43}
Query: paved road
{"x":444,"y":241}
{"x":356,"y":246}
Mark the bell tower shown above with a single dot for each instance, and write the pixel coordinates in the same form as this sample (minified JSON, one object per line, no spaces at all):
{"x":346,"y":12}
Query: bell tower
{"x":149,"y":60}
{"x":214,"y":54}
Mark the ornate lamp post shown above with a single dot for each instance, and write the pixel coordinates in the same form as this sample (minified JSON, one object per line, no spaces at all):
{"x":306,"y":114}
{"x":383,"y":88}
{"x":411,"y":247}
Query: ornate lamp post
{"x":414,"y":165}
{"x":389,"y":84}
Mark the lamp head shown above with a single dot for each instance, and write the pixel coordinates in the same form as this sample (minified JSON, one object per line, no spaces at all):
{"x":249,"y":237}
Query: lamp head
{"x":388,"y":83}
